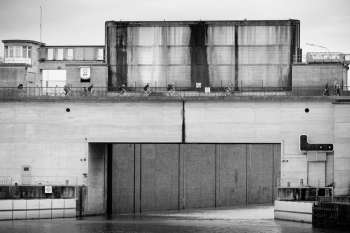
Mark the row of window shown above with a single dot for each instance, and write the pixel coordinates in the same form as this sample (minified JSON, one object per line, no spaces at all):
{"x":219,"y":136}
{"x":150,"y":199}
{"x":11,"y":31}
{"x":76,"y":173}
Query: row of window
{"x":68,"y":54}
{"x":18,"y":51}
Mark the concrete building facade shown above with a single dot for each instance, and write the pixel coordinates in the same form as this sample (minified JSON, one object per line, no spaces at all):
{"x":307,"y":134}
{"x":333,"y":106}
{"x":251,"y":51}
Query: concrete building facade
{"x":135,"y":152}
{"x":50,"y":68}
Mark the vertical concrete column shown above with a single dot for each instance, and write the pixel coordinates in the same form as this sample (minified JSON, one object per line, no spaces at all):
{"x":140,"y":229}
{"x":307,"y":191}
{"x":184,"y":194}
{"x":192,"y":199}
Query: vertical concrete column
{"x":96,"y":179}
{"x":276,"y":169}
{"x":341,"y":149}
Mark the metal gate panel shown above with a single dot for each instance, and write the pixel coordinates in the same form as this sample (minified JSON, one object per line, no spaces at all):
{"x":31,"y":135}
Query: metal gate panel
{"x":260,"y":173}
{"x":231,"y":174}
{"x":199,"y":175}
{"x":123,"y":178}
{"x":159,"y":176}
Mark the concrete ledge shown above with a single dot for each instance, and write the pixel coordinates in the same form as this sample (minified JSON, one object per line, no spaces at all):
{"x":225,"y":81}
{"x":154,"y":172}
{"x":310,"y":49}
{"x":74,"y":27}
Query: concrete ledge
{"x":293,"y":211}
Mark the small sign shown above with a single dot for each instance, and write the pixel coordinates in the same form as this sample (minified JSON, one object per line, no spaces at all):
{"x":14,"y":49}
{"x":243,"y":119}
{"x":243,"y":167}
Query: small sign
{"x":347,"y":58}
{"x":207,"y":90}
{"x":48,"y":189}
{"x":85,"y":73}
{"x":198,"y":85}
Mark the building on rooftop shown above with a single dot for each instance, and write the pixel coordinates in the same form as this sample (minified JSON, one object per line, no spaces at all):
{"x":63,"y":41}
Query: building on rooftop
{"x":246,"y":117}
{"x":50,"y":68}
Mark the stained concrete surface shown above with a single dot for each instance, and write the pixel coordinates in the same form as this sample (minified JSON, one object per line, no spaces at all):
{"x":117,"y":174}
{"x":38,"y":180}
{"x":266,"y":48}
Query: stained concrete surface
{"x":255,"y":219}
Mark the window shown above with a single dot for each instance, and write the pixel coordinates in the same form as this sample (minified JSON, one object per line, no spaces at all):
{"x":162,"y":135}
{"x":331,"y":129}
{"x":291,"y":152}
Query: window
{"x":59,"y":54}
{"x":49,"y":54}
{"x":29,"y":51}
{"x":11,"y":51}
{"x":69,"y":54}
{"x":18,"y":51}
{"x":25,"y":51}
{"x":6,"y":53}
{"x":99,"y":54}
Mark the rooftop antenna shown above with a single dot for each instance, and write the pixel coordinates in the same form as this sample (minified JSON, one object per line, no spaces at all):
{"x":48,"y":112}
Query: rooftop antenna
{"x":317,"y":45}
{"x":41,"y":22}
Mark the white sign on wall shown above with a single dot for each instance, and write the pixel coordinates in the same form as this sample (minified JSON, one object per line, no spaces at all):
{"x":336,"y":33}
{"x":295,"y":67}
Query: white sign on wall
{"x":48,"y":189}
{"x":85,"y":72}
{"x":198,"y":85}
{"x":347,"y":58}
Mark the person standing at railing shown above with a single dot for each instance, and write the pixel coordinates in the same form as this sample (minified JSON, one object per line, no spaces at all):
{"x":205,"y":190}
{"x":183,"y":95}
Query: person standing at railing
{"x":171,"y":89}
{"x":20,"y":88}
{"x":147,"y":89}
{"x":122,"y":89}
{"x":90,"y":89}
{"x":67,"y":89}
{"x":326,"y":90}
{"x":337,"y":88}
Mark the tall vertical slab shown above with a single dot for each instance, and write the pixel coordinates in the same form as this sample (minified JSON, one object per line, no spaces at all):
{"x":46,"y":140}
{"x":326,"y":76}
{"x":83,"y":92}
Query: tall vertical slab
{"x":198,"y":51}
{"x":159,"y":177}
{"x":231,"y":172}
{"x":123,"y":177}
{"x":199,"y":175}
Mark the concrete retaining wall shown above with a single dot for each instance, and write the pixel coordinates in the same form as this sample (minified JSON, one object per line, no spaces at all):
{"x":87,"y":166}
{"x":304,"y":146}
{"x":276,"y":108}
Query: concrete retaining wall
{"x":37,"y":208}
{"x":318,"y":75}
{"x":55,"y":142}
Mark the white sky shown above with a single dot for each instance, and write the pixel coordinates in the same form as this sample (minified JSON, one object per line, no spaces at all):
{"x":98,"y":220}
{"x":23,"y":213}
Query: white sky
{"x":323,"y":22}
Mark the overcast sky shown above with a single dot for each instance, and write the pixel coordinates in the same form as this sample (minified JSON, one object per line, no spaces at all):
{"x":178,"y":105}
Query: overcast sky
{"x":323,"y":22}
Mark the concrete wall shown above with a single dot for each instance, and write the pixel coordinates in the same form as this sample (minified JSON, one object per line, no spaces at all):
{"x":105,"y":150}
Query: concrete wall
{"x":12,"y":76}
{"x":98,"y":75}
{"x":95,"y":203}
{"x":248,"y":53}
{"x":318,"y":75}
{"x":54,"y":142}
{"x":264,"y":122}
{"x":98,"y":72}
{"x":342,"y":142}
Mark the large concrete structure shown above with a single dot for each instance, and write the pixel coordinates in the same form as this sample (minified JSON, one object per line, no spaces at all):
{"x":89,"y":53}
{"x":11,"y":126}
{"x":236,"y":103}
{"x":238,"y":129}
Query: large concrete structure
{"x":138,"y":153}
{"x":213,"y":53}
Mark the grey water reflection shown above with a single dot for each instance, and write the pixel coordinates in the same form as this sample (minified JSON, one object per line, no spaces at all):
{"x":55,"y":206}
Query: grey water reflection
{"x":149,"y":224}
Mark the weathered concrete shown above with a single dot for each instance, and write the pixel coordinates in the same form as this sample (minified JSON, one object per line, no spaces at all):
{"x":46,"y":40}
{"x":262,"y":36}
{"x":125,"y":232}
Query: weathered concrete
{"x":259,"y":122}
{"x":341,"y":148}
{"x":96,"y":196}
{"x":12,"y":76}
{"x":318,"y":75}
{"x":123,"y":178}
{"x":214,"y":53}
{"x":54,"y":142}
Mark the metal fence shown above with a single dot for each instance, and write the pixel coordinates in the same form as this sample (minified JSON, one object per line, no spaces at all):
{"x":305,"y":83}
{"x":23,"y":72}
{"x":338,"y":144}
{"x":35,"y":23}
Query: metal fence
{"x":39,"y":180}
{"x":83,"y":92}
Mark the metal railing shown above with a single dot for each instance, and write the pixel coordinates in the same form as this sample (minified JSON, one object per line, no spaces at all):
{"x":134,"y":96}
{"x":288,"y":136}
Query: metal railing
{"x":39,"y":180}
{"x":8,"y":93}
